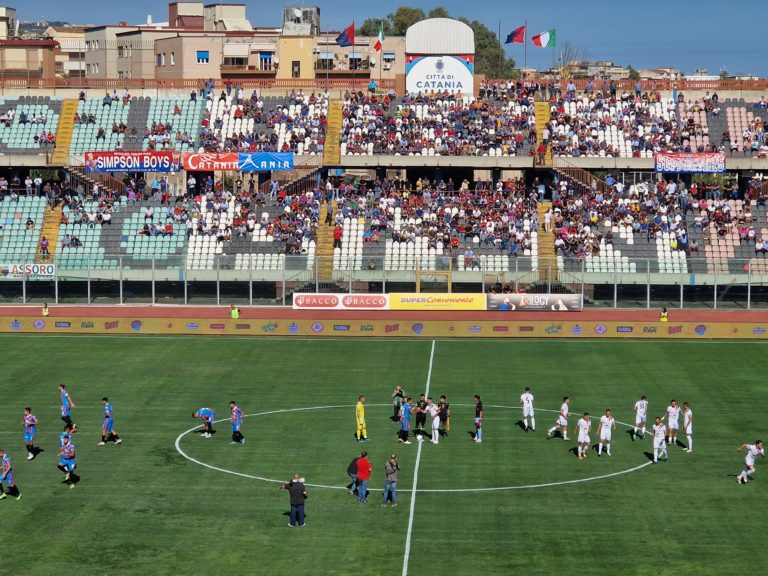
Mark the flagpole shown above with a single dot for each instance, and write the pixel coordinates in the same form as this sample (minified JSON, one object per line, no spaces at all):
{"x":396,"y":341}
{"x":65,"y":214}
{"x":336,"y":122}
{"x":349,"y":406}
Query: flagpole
{"x":349,"y":60}
{"x":381,"y":53}
{"x":525,"y":43}
{"x":501,"y":48}
{"x":553,"y":53}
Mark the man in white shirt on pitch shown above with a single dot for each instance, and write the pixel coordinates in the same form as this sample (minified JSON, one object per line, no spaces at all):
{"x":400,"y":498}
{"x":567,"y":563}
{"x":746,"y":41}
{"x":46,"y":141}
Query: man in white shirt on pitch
{"x":434,"y":413}
{"x":526,"y":401}
{"x":673,"y":420}
{"x":688,"y":425}
{"x":753,"y":451}
{"x":562,"y":420}
{"x":607,"y":426}
{"x":659,"y":440}
{"x":641,"y":415}
{"x":583,"y":428}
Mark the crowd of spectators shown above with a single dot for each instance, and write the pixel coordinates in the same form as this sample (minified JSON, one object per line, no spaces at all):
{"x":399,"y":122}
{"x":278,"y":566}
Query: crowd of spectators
{"x":583,"y":219}
{"x":581,"y":124}
{"x":448,"y":216}
{"x":438,"y":123}
{"x":300,"y":120}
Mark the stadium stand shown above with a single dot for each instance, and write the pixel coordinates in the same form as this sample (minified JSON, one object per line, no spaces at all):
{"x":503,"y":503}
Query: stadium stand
{"x":746,"y":128}
{"x":21,"y":220}
{"x":24,"y":120}
{"x":595,"y":125}
{"x":142,"y":123}
{"x":109,"y":231}
{"x":256,"y":124}
{"x":436,"y":125}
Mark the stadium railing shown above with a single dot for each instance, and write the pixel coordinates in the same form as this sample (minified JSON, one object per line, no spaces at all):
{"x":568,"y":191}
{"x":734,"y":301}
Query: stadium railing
{"x":638,"y":284}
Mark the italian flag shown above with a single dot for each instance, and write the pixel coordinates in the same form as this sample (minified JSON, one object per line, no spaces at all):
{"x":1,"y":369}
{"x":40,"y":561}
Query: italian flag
{"x":545,"y":39}
{"x":380,"y":40}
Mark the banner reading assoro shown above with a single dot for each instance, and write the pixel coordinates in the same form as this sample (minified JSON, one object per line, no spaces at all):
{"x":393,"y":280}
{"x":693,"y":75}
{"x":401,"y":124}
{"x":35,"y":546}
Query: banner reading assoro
{"x":415,"y":301}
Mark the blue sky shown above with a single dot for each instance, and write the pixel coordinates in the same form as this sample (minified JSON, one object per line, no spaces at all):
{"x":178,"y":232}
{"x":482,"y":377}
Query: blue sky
{"x":686,"y":34}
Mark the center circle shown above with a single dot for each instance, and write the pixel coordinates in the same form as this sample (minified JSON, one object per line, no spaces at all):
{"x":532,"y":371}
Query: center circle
{"x":194,"y":460}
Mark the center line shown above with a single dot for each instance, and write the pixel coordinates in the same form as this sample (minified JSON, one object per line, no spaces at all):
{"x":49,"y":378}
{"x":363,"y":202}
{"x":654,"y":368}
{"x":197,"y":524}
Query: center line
{"x":407,"y":554}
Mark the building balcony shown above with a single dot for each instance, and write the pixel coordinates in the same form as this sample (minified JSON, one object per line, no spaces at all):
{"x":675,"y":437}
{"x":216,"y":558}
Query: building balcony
{"x":341,"y":70}
{"x":238,"y":70}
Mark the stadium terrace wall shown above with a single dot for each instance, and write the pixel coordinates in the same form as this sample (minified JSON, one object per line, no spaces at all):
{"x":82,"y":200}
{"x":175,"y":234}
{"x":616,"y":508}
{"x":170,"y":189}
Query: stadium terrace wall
{"x":267,"y":322}
{"x":467,"y":162}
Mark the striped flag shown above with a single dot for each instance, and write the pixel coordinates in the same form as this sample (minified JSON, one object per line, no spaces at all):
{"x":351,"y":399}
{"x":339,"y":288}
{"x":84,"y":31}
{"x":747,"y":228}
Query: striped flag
{"x":545,"y":39}
{"x":380,"y":40}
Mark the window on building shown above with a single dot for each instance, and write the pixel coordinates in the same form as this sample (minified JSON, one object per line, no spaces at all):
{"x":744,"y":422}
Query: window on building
{"x":173,"y":58}
{"x":325,"y":61}
{"x":265,"y":60}
{"x":203,"y":57}
{"x":296,"y":69}
{"x":234,"y":61}
{"x":160,"y":60}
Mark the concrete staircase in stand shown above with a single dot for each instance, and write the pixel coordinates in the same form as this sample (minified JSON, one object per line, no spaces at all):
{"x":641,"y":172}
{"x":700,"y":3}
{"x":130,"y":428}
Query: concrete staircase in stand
{"x":50,"y":230}
{"x":64,"y":132}
{"x":547,"y":258}
{"x":543,"y":116}
{"x":325,"y":245}
{"x":332,"y":147}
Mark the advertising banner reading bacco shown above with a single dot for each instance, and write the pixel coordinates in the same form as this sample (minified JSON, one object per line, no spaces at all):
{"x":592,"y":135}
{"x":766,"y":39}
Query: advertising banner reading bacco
{"x":341,"y":302}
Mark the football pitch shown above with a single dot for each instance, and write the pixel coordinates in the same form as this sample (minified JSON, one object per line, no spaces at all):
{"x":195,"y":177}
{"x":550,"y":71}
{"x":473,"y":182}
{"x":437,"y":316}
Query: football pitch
{"x":168,"y":501}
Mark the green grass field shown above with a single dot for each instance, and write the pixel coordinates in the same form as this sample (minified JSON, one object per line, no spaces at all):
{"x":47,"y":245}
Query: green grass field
{"x":142,"y":508}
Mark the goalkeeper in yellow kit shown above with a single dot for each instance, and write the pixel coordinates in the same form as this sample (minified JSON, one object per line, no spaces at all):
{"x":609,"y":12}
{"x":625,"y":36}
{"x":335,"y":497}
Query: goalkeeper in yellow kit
{"x":362,"y":431}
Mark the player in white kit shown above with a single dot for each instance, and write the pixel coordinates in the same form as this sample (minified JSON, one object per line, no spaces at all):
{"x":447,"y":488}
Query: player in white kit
{"x":641,"y":415}
{"x":434,"y":413}
{"x":607,"y":426}
{"x":688,"y":425}
{"x":673,"y":420}
{"x":583,"y":428}
{"x":659,"y":440}
{"x":526,"y":401}
{"x":753,"y":451}
{"x":562,"y":420}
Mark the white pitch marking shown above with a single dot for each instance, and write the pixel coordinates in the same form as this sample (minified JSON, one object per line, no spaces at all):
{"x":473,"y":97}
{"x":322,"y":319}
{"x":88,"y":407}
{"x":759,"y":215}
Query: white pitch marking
{"x":425,"y":490}
{"x":407,"y":554}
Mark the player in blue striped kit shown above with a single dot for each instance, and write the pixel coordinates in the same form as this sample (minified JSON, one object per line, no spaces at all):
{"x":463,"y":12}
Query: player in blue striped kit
{"x":68,"y":460}
{"x":30,"y":431}
{"x":6,"y":477}
{"x":66,"y":410}
{"x":236,"y":419}
{"x":207,"y":416}
{"x":108,"y":433}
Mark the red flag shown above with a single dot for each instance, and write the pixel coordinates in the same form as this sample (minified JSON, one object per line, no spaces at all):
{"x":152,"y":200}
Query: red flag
{"x":517,"y":36}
